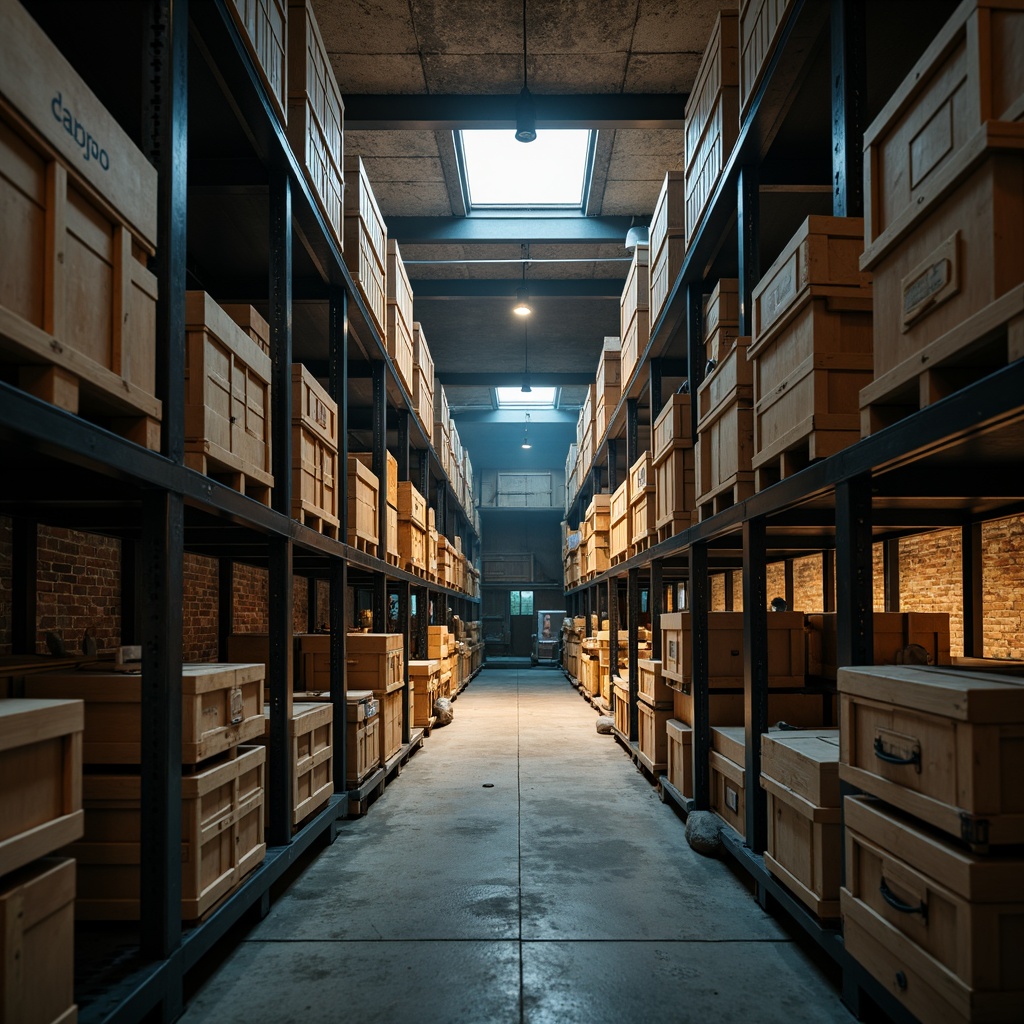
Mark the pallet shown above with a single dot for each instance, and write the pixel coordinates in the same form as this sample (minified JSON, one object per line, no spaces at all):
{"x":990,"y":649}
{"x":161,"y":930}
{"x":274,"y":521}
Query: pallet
{"x":741,"y":489}
{"x":800,"y":456}
{"x":215,"y":469}
{"x":671,"y":528}
{"x":368,"y":547}
{"x":415,"y":570}
{"x":988,"y":340}
{"x":392,"y":559}
{"x":618,"y":558}
{"x":360,"y":798}
{"x":641,"y":544}
{"x":316,"y":521}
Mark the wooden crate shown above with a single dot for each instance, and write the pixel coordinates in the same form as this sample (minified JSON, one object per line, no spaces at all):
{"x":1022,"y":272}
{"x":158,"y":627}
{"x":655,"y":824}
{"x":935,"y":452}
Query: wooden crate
{"x":227,"y":400}
{"x":786,"y":654}
{"x":620,"y":689}
{"x":891,"y":631}
{"x":727,"y":762}
{"x":760,"y":26}
{"x":366,"y":241}
{"x":221,"y":706}
{"x":412,"y":506}
{"x":619,"y":525}
{"x":40,"y":778}
{"x":78,"y":214}
{"x":249,"y":319}
{"x":675,"y":500}
{"x":37,"y":944}
{"x":399,"y":320}
{"x":671,"y":427}
{"x":391,"y":716}
{"x":634,"y":315}
{"x":222,"y":812}
{"x":423,"y":380}
{"x":362,"y":735}
{"x":315,"y":114}
{"x":391,"y":472}
{"x":375,"y":661}
{"x":651,"y":686}
{"x":712,"y":117}
{"x":425,"y":678}
{"x":652,"y":735}
{"x":937,"y":926}
{"x":811,"y":348}
{"x":680,"y":756}
{"x":412,"y":545}
{"x":263,"y":27}
{"x":725,"y":429}
{"x":363,"y":515}
{"x":311,"y":734}
{"x":667,"y":240}
{"x":947,"y":747}
{"x":722,"y":310}
{"x":808,"y":710}
{"x":800,"y":772}
{"x":314,"y":453}
{"x":15,"y":667}
{"x":642,"y":504}
{"x":608,"y":382}
{"x":438,"y":645}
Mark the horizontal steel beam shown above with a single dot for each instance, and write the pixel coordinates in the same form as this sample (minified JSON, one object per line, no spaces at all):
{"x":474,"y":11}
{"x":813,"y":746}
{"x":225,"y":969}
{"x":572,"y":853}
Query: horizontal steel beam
{"x":445,"y":113}
{"x":465,"y":288}
{"x":508,"y":228}
{"x":497,"y":380}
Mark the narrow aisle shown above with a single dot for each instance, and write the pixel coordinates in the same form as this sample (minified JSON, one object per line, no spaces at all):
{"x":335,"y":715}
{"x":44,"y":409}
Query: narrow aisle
{"x":520,"y":870}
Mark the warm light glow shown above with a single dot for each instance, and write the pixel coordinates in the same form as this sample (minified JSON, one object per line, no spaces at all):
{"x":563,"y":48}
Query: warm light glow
{"x":526,"y":444}
{"x":521,"y":308}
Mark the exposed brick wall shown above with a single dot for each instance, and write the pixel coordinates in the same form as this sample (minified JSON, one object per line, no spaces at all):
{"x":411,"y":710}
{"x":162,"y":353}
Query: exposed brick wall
{"x":930,"y":580}
{"x":199,"y":633}
{"x":251,"y":598}
{"x":1003,"y":559}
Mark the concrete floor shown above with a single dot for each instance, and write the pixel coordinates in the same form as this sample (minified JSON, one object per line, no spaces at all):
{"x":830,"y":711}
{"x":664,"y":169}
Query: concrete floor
{"x":519,"y":870}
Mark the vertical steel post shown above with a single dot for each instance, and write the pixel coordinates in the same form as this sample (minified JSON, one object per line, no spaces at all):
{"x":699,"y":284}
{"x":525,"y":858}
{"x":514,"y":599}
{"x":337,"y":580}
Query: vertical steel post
{"x":632,"y":432}
{"x":613,"y":468}
{"x":613,"y":636}
{"x":656,"y":605}
{"x":654,"y":395}
{"x":748,"y":223}
{"x":699,"y":594}
{"x":405,"y":625}
{"x":854,"y":565}
{"x":973,"y":590}
{"x":849,"y":104}
{"x":695,"y":356}
{"x":633,"y":626}
{"x":891,"y":574}
{"x":755,"y":674}
{"x":24,"y":575}
{"x":380,"y":465}
{"x":339,"y":682}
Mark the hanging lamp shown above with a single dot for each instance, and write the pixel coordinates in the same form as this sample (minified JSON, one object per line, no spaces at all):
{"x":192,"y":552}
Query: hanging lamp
{"x":526,"y":116}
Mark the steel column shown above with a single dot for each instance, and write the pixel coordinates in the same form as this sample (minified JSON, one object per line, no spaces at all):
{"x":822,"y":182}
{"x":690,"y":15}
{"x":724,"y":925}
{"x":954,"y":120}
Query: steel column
{"x":748,"y":224}
{"x":339,"y":686}
{"x":854,"y":565}
{"x":787,"y":567}
{"x":891,"y":574}
{"x":695,"y":353}
{"x":404,"y":463}
{"x":654,"y":394}
{"x":613,"y":636}
{"x":405,"y":625}
{"x":280,"y":320}
{"x":633,"y":626}
{"x":337,"y":388}
{"x":828,"y":580}
{"x":973,"y":590}
{"x":279,"y":667}
{"x":128,"y":586}
{"x":613,"y":469}
{"x":699,"y":601}
{"x":225,"y":605}
{"x":729,"y":585}
{"x":24,"y":576}
{"x":422,"y":620}
{"x":632,"y":432}
{"x":849,"y":104}
{"x":755,"y":674}
{"x":423,"y":475}
{"x":656,"y":605}
{"x":380,"y":461}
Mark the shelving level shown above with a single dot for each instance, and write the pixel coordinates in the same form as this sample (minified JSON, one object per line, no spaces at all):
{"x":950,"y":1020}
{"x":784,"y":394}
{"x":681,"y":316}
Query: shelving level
{"x":939,"y":449}
{"x":236,"y":217}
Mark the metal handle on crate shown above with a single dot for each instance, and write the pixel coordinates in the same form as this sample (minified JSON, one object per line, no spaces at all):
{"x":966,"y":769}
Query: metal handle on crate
{"x":898,"y":904}
{"x":882,"y":755}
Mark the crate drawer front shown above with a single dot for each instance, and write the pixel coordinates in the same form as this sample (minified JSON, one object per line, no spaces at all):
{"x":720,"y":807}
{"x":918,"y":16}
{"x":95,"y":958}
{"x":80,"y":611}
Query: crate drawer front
{"x":652,"y":734}
{"x":680,"y":756}
{"x":728,"y":798}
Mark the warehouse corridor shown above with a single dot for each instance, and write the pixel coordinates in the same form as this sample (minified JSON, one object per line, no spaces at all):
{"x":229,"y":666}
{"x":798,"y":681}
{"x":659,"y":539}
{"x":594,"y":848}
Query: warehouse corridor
{"x":519,"y":870}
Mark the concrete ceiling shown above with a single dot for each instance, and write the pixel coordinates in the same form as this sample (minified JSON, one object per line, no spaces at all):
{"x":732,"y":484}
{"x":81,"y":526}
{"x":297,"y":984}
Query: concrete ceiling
{"x":419,"y":64}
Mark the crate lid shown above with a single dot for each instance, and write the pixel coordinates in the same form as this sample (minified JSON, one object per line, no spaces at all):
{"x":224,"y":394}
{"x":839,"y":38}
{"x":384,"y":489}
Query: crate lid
{"x":729,"y":741}
{"x":805,"y":761}
{"x":28,"y":720}
{"x":359,"y":696}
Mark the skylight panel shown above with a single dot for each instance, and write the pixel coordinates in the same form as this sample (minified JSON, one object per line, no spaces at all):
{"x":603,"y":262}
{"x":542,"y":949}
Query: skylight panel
{"x":501,"y":172}
{"x":516,"y":398}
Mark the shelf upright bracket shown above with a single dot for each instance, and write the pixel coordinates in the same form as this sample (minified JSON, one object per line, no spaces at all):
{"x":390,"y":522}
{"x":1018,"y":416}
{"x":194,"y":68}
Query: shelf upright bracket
{"x":613,"y":467}
{"x":405,"y":625}
{"x":129,"y":589}
{"x":380,"y":469}
{"x":695,"y":355}
{"x":337,"y":388}
{"x":973,"y":590}
{"x":225,"y":605}
{"x":699,"y":599}
{"x":849,"y":98}
{"x":854,"y":564}
{"x":339,"y":684}
{"x":633,"y":625}
{"x":891,"y":574}
{"x":423,"y":477}
{"x":655,"y":606}
{"x":404,"y":462}
{"x":755,"y":675}
{"x":613,"y":636}
{"x":828,"y":580}
{"x":654,"y":383}
{"x":24,"y":574}
{"x":748,"y":226}
{"x":632,"y":432}
{"x":422,"y":620}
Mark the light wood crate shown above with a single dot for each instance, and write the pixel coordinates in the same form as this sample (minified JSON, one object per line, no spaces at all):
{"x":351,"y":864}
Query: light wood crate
{"x":786,"y":653}
{"x":807,"y":710}
{"x":227,"y":400}
{"x":392,"y":715}
{"x":40,"y":778}
{"x":608,"y":381}
{"x":620,"y":690}
{"x":712,"y":117}
{"x":37,"y":944}
{"x":606,"y":403}
{"x":375,"y":661}
{"x":944,"y":746}
{"x":362,"y":736}
{"x":423,"y":380}
{"x":366,"y":241}
{"x":725,"y":434}
{"x":412,"y":506}
{"x":651,"y":686}
{"x":78,"y":304}
{"x":652,"y":735}
{"x":619,"y":525}
{"x":760,"y":26}
{"x":671,"y":427}
{"x":727,"y":763}
{"x":249,"y":319}
{"x":634,"y":314}
{"x":680,"y":756}
{"x":263,"y":27}
{"x":675,"y":500}
{"x":951,"y":952}
{"x":311,"y":735}
{"x":391,"y":472}
{"x":667,"y":240}
{"x":314,"y":453}
{"x":412,"y":545}
{"x":398,"y":323}
{"x":425,"y":678}
{"x":722,"y":307}
{"x":221,"y":706}
{"x":811,"y":348}
{"x":363,"y":517}
{"x":222,"y":812}
{"x":892,"y":632}
{"x":315,"y":114}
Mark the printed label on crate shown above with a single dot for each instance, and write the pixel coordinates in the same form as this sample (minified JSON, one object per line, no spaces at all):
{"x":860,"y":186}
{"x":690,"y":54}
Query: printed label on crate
{"x":932,"y":282}
{"x":237,"y":710}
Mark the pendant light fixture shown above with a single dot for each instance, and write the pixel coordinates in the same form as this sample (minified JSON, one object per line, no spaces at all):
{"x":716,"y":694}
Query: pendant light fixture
{"x":526,"y":117}
{"x":522,"y":306}
{"x":526,"y":446}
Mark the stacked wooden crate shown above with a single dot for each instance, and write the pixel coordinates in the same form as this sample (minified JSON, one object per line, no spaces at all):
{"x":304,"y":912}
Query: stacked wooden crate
{"x":40,"y":812}
{"x":425,"y":680}
{"x":604,"y":661}
{"x":362,"y":495}
{"x":376,"y":662}
{"x":442,"y":425}
{"x":585,"y":439}
{"x":314,"y":454}
{"x":642,"y":505}
{"x":440,"y":647}
{"x":227,"y":400}
{"x":431,"y":550}
{"x":571,"y":486}
{"x":721,"y":318}
{"x":399,"y":319}
{"x":727,"y":769}
{"x":760,"y":25}
{"x":422,"y":380}
{"x":311,"y":746}
{"x":618,"y":524}
{"x":222,"y":784}
{"x":634,"y":315}
{"x":362,"y":736}
{"x":607,"y":386}
{"x":712,"y":118}
{"x":315,"y":114}
{"x":412,"y":528}
{"x":667,"y":241}
{"x":944,"y":226}
{"x":933,"y":898}
{"x":366,"y":242}
{"x":679,"y":756}
{"x":264,"y":27}
{"x":673,"y":458}
{"x":391,"y":477}
{"x":811,"y":348}
{"x":598,"y":525}
{"x":654,"y":709}
{"x":78,"y":304}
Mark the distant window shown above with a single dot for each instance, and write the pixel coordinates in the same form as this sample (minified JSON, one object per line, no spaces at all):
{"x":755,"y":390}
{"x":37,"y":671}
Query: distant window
{"x":516,"y":398}
{"x":500,"y":173}
{"x":525,"y":490}
{"x":521,"y":602}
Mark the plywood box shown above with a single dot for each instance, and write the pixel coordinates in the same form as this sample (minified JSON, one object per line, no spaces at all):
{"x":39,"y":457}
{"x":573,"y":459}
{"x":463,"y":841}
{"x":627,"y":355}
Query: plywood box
{"x":667,"y":240}
{"x":425,"y":678}
{"x":399,"y":316}
{"x":221,"y":706}
{"x":391,"y":717}
{"x":947,"y":747}
{"x":366,"y":241}
{"x":675,"y":501}
{"x":411,"y":505}
{"x":222,"y":812}
{"x":375,"y":661}
{"x":311,"y":735}
{"x":672,"y":427}
{"x":391,"y":472}
{"x":263,"y":25}
{"x":608,"y":382}
{"x":37,"y":944}
{"x":315,"y":114}
{"x":797,"y":710}
{"x":712,"y":117}
{"x":727,"y":762}
{"x":634,"y":315}
{"x":363,"y":517}
{"x":314,"y":453}
{"x":680,"y":756}
{"x":412,"y":545}
{"x":423,"y":380}
{"x":619,"y":527}
{"x":650,"y":685}
{"x":938,"y":927}
{"x":760,"y":26}
{"x":249,"y":319}
{"x":651,"y":734}
{"x":620,"y":689}
{"x":362,"y":736}
{"x":227,"y":400}
{"x":40,"y":778}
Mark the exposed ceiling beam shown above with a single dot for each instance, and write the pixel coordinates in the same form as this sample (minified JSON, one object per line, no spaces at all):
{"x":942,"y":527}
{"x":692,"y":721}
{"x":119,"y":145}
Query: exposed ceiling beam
{"x":462,"y":288}
{"x":497,"y":380}
{"x":439,"y":113}
{"x":505,"y":228}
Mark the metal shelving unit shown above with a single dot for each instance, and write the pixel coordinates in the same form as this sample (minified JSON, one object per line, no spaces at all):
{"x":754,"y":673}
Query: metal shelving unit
{"x":236,"y":217}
